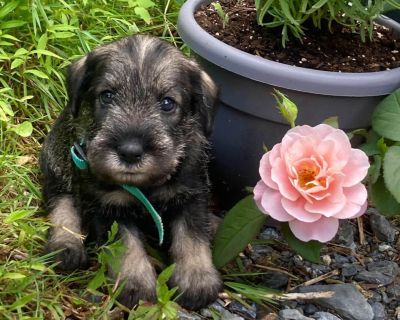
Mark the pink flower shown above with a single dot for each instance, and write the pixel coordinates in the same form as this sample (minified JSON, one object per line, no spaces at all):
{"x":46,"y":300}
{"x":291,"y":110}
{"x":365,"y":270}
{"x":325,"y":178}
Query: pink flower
{"x":312,"y":179}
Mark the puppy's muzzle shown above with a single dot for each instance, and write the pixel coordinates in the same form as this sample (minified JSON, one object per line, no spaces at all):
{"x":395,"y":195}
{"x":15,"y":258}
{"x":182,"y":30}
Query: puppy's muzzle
{"x":130,"y":151}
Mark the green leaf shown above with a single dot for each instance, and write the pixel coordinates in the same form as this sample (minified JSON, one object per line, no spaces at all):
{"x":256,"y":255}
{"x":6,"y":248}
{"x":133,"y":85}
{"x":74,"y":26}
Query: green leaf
{"x":9,"y":7}
{"x":166,"y":274}
{"x":332,"y":121}
{"x":310,"y":250}
{"x":23,"y":129}
{"x":16,"y":63}
{"x":20,"y":52}
{"x":391,"y":171}
{"x":12,"y":24}
{"x":145,"y":3}
{"x":112,"y":233}
{"x":6,"y":108}
{"x":240,"y":225}
{"x":98,"y":280}
{"x":143,"y":14}
{"x":374,"y":169}
{"x":17,"y":215}
{"x":22,"y":301}
{"x":42,"y":43}
{"x":13,"y":276}
{"x":40,"y":52}
{"x":386,"y":117}
{"x":37,"y":73}
{"x":383,"y":200}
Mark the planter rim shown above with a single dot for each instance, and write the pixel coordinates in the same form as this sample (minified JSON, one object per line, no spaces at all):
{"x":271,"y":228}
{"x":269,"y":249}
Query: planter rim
{"x":279,"y":74}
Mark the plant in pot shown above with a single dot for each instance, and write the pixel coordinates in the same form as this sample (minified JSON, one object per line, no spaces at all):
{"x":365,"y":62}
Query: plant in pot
{"x":321,"y":87}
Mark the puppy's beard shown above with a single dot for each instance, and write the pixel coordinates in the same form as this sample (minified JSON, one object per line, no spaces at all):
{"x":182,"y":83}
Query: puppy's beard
{"x":150,"y":171}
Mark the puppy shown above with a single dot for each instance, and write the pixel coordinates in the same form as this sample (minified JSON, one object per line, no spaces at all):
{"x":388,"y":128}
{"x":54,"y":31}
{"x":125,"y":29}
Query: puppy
{"x":143,"y":113}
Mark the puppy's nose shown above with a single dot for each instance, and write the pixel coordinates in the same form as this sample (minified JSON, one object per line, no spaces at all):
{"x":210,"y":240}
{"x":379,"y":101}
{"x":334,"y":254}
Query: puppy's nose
{"x":130,"y":151}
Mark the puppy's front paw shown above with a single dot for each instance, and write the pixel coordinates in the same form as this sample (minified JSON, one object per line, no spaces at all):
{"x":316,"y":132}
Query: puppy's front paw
{"x":198,"y":286}
{"x":72,"y":255}
{"x":136,"y":290}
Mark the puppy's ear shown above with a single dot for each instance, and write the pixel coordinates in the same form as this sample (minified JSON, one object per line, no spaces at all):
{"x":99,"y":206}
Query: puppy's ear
{"x":206,"y":97}
{"x":76,"y":75}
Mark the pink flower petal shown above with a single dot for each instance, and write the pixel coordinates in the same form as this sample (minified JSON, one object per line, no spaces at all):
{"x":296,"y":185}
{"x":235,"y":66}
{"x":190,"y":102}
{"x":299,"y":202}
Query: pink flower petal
{"x":362,"y":210}
{"x":265,"y":171}
{"x":322,"y":230}
{"x":279,"y":175}
{"x":349,"y":211}
{"x":356,"y":169}
{"x":342,"y":146}
{"x":356,"y":194}
{"x":326,"y":207}
{"x":296,"y":210}
{"x":271,"y":203}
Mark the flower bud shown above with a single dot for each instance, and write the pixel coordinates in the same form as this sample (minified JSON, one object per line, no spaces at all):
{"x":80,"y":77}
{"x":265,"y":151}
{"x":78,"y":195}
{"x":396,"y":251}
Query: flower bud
{"x":287,"y":108}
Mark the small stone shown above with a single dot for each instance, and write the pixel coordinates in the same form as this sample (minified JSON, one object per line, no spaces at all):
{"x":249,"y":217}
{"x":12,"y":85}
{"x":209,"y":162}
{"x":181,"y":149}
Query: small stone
{"x":347,"y":301}
{"x":239,"y":309}
{"x":259,"y":253}
{"x":349,"y":270}
{"x":384,"y":247}
{"x":183,"y":315}
{"x":379,"y":311}
{"x":340,"y":259}
{"x":374,"y":277}
{"x":376,"y":297}
{"x":326,"y":259}
{"x":345,"y":235}
{"x":275,"y":280}
{"x":309,"y":309}
{"x":385,"y":298}
{"x":269,"y":233}
{"x":216,"y":305}
{"x":381,"y":227}
{"x":298,"y":261}
{"x":394,"y":291}
{"x":226,"y":315}
{"x":388,"y":268}
{"x":292,"y":314}
{"x":324,"y":316}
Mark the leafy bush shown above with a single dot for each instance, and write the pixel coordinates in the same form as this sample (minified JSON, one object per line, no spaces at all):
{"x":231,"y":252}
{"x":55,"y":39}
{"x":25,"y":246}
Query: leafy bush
{"x":292,"y":15}
{"x":383,"y":147}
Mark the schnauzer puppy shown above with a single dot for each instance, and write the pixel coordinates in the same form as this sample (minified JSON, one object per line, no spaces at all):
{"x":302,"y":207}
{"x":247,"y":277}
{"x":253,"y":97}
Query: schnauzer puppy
{"x":142,"y":112}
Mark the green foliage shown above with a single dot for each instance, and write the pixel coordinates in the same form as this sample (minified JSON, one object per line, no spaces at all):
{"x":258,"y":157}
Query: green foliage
{"x":109,"y":255}
{"x":165,"y":308}
{"x":258,"y":294}
{"x":383,"y":147}
{"x":38,"y":40}
{"x":310,"y":250}
{"x":293,"y":15}
{"x":240,"y":225}
{"x":221,"y":13}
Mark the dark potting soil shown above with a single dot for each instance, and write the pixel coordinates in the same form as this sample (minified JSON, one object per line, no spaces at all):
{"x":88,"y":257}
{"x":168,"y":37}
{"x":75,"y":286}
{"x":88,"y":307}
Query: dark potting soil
{"x":342,"y":50}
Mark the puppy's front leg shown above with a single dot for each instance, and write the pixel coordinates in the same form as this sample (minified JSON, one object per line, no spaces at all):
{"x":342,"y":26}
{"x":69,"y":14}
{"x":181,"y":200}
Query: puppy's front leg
{"x":66,"y":235}
{"x":195,"y":274}
{"x":136,"y":270}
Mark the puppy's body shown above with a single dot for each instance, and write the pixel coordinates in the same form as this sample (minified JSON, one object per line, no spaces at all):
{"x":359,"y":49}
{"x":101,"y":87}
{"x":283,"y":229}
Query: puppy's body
{"x":144,"y":113}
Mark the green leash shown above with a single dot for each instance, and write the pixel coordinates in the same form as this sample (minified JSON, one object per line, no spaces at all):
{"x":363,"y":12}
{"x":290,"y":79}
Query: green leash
{"x":80,"y":160}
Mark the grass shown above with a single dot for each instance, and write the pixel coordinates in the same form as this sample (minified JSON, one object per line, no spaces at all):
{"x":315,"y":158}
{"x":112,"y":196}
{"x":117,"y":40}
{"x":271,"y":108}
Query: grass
{"x":38,"y":40}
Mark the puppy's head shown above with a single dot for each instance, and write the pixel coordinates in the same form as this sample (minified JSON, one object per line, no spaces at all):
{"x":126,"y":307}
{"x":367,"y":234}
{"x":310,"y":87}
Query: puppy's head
{"x":140,"y":105}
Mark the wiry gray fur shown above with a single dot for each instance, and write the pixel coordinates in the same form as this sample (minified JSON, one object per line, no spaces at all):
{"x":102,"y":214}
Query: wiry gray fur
{"x":140,"y":72}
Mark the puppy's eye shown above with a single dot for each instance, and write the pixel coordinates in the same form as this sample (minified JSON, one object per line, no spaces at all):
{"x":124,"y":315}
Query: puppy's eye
{"x":106,"y":97}
{"x":167,"y":104}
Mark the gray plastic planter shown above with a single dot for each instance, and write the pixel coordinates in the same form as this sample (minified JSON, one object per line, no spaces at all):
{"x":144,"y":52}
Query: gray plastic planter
{"x":247,"y":117}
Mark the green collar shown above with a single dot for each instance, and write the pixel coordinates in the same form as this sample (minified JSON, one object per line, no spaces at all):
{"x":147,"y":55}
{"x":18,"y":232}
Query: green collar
{"x":80,"y":160}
